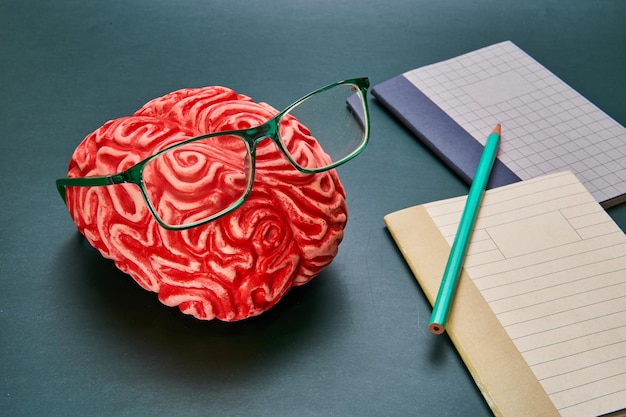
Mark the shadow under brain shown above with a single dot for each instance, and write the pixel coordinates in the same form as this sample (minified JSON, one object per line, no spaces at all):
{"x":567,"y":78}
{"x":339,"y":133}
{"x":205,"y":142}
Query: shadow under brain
{"x":116,"y":315}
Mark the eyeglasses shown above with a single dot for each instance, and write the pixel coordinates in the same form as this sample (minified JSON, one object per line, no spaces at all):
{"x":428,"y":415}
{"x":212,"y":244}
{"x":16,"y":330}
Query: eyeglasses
{"x":203,"y":178}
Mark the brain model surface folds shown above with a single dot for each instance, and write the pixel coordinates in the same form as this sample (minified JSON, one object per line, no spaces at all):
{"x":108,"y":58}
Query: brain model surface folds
{"x":234,"y":267}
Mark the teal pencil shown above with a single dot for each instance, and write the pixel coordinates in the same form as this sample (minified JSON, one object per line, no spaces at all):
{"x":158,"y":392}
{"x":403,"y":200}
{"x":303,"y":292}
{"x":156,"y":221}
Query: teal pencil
{"x":454,"y":266}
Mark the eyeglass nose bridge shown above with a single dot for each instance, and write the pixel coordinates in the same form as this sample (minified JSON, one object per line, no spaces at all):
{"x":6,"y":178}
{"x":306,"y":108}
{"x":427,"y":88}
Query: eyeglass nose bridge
{"x":257,"y":134}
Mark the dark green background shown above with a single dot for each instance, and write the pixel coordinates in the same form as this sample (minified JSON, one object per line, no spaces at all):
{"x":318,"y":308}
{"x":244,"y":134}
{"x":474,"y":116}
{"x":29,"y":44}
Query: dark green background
{"x":79,"y":338}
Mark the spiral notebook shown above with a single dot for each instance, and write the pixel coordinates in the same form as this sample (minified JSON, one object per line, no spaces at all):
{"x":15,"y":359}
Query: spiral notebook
{"x":546,"y":125}
{"x":539,"y":316}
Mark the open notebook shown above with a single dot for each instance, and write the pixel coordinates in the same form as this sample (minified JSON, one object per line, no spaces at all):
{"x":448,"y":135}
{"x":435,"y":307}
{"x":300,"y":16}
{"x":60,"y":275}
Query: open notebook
{"x":549,"y":127}
{"x":539,"y":316}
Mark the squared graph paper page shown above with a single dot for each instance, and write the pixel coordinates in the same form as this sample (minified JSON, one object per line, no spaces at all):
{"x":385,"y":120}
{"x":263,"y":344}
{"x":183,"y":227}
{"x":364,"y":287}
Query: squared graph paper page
{"x":551,"y":264}
{"x":546,"y":125}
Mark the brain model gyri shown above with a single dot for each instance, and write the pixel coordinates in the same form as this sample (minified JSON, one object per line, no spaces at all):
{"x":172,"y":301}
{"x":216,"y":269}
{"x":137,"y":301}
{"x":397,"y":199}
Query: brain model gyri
{"x":236,"y":266}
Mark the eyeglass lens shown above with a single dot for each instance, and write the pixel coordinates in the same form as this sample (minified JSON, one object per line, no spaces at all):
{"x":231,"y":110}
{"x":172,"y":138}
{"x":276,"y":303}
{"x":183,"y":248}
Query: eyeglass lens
{"x":198,"y":180}
{"x":204,"y":178}
{"x":328,"y":122}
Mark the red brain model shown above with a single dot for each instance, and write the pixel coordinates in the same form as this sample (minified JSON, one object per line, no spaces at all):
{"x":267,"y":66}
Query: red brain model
{"x":237,"y":266}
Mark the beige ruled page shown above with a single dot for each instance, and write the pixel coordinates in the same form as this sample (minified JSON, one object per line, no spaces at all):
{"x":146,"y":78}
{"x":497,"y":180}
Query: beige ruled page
{"x":551,"y":264}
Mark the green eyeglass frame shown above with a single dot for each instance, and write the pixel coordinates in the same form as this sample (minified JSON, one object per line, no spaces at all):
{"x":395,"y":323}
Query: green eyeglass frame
{"x":252,"y":136}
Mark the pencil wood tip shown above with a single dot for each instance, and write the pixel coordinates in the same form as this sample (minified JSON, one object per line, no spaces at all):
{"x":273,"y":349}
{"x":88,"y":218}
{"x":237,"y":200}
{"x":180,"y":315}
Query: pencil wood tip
{"x":498,"y":129}
{"x":436,"y":328}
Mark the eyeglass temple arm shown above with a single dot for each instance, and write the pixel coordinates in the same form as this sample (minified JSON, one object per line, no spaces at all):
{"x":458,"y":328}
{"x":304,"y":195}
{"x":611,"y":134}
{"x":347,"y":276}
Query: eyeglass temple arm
{"x":88,"y":182}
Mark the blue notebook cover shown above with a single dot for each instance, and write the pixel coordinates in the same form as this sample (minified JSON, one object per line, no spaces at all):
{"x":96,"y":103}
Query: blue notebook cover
{"x":547,"y":126}
{"x":438,"y":131}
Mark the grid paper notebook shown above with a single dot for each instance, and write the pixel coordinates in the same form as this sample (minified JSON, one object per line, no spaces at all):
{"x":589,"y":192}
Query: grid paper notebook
{"x":549,"y":263}
{"x":546,"y":125}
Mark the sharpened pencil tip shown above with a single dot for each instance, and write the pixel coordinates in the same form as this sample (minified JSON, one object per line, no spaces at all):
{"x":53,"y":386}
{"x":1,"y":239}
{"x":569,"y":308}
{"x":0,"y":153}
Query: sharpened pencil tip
{"x":498,"y":129}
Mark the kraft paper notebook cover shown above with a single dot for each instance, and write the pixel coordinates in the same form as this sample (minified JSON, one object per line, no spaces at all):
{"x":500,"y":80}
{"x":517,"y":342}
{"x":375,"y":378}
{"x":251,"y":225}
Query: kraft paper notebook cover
{"x":548,"y":126}
{"x":539,"y":316}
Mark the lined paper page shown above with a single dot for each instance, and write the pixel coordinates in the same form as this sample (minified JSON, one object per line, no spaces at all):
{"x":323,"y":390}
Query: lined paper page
{"x":551,"y":264}
{"x":549,"y":126}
